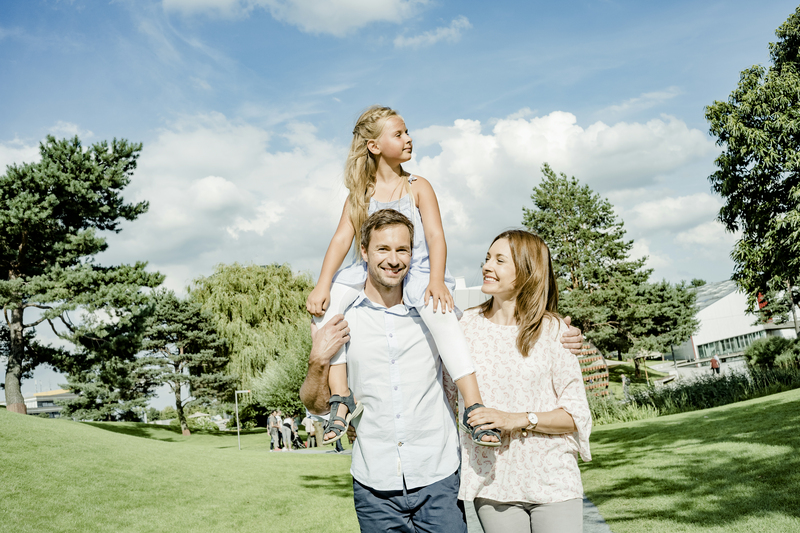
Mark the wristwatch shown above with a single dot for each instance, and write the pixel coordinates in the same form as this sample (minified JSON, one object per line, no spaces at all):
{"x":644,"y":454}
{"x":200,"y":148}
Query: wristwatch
{"x":532,"y":421}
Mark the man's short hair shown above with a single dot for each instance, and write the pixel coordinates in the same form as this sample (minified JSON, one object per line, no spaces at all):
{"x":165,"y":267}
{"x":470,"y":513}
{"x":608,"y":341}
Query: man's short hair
{"x":382,"y":218}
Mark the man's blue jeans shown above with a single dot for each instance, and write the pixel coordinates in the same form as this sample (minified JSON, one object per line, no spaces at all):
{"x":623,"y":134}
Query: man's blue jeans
{"x":434,"y":509}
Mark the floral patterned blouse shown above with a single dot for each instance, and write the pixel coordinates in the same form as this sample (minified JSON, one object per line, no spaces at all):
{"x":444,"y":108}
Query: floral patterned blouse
{"x":536,"y":468}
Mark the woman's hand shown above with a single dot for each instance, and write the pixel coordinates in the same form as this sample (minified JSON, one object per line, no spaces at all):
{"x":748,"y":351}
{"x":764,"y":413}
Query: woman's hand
{"x":494,"y":418}
{"x":318,"y":300}
{"x":441,"y":297}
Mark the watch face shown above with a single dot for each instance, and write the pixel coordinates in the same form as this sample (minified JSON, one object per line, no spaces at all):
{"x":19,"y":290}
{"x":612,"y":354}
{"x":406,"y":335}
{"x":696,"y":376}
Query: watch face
{"x":533,"y":419}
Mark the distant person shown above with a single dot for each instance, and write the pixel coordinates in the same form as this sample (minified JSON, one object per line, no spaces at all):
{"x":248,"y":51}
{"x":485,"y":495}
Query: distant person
{"x":715,"y":364}
{"x":286,"y":429}
{"x":626,"y":387}
{"x":308,"y":424}
{"x":532,"y":482}
{"x":376,"y":180}
{"x":274,"y":429}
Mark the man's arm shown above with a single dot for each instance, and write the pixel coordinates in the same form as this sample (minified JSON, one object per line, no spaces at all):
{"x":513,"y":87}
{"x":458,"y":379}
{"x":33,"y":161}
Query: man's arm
{"x":326,"y":341}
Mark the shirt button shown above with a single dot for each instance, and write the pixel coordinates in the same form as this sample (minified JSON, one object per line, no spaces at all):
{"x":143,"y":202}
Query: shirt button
{"x":397,"y":416}
{"x":395,"y":388}
{"x":392,"y":361}
{"x":390,"y":335}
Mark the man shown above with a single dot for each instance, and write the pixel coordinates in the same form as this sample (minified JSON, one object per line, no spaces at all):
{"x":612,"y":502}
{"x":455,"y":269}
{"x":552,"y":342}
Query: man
{"x":405,"y":460}
{"x":272,"y":425}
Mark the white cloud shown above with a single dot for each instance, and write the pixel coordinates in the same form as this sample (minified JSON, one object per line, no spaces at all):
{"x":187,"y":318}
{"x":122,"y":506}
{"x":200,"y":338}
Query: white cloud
{"x":451,"y":33}
{"x":68,"y":129}
{"x":711,"y":234}
{"x":17,"y":152}
{"x":333,"y":17}
{"x":641,"y":248}
{"x":674,"y":213}
{"x":642,"y":102}
{"x":267,"y":214}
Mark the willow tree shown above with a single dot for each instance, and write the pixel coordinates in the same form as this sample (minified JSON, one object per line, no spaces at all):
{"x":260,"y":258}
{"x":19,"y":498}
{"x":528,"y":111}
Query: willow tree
{"x":758,"y":175}
{"x":51,"y":216}
{"x":261,"y":312}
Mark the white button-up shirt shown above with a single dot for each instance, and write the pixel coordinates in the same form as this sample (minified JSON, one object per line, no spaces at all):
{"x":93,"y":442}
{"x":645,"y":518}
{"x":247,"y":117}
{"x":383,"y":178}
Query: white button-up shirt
{"x":407,"y":429}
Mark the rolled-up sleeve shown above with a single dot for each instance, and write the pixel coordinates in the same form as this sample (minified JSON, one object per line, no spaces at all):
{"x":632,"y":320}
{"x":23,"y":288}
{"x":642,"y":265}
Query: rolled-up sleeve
{"x":569,"y":388}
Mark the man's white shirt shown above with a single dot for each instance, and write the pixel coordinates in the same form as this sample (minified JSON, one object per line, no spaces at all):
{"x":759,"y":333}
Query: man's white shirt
{"x":407,"y":429}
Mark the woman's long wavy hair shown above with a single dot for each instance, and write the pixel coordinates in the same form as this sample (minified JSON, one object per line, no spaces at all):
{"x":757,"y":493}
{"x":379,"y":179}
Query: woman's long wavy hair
{"x":361,"y":166}
{"x":537,"y":290}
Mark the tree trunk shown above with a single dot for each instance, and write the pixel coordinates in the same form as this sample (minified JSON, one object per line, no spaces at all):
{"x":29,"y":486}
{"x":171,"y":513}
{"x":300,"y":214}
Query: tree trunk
{"x":15,"y":403}
{"x":179,"y":408}
{"x":637,"y":371}
{"x":794,"y":313}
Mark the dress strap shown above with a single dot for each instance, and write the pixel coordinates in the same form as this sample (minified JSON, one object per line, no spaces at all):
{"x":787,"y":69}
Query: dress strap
{"x":411,"y":179}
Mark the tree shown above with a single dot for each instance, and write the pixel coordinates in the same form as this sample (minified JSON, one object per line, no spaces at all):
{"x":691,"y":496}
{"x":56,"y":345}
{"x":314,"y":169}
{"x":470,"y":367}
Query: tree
{"x":605,"y":292}
{"x":261,"y":312}
{"x":50,"y":215}
{"x":184,"y":350}
{"x":758,"y":173}
{"x":111,"y":383}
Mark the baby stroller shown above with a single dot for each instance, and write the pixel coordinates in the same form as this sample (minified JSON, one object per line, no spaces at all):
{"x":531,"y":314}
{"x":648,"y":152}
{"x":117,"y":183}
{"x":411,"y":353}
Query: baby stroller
{"x":297,"y":442}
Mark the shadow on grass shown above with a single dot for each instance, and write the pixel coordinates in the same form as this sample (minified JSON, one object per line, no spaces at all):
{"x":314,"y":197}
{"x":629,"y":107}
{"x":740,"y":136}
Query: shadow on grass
{"x":338,"y":485}
{"x":748,"y":465}
{"x":162,"y":433}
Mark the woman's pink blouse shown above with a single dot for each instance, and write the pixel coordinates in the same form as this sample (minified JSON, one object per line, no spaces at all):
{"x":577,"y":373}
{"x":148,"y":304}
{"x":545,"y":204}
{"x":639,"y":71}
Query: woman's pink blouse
{"x":536,"y":468}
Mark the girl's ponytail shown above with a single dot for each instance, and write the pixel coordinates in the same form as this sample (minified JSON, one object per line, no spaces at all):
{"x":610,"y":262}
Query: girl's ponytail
{"x":361,"y":167}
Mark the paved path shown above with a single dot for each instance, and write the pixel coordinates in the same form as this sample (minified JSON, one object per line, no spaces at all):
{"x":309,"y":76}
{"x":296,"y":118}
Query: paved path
{"x":592,"y":521}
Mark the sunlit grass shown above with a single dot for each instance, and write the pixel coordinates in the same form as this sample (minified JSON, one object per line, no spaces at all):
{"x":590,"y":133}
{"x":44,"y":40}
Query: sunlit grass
{"x":734,"y":468}
{"x":58,"y":475}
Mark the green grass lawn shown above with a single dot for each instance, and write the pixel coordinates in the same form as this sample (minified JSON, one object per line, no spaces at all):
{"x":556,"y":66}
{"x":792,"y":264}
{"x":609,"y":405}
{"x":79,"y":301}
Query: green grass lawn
{"x":730,"y":469}
{"x":57,"y":475}
{"x":734,"y":468}
{"x":617,"y":368}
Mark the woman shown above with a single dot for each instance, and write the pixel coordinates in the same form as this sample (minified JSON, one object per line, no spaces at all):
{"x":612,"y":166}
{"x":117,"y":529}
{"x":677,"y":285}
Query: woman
{"x":531,"y":482}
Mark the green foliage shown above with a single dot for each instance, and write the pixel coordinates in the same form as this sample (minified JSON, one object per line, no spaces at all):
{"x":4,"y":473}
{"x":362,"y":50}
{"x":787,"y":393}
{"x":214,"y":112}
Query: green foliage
{"x":773,"y":351}
{"x":260,"y":311}
{"x":183,"y":349}
{"x":607,"y":295}
{"x":758,"y":173}
{"x":51,"y":215}
{"x":607,"y":410}
{"x":708,"y":391}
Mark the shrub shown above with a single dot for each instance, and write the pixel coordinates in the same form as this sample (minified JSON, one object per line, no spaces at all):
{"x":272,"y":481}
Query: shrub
{"x":763,"y":352}
{"x":607,"y":410}
{"x":712,"y":391}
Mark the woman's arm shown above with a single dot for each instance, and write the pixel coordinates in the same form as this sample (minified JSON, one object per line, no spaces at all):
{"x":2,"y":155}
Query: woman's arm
{"x":319,"y":298}
{"x":437,"y":247}
{"x":555,"y":422}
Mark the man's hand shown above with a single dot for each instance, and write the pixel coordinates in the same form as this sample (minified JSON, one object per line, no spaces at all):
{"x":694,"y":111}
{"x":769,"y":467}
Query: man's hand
{"x":351,"y":433}
{"x":572,"y":339}
{"x":326,"y":342}
{"x":328,"y":339}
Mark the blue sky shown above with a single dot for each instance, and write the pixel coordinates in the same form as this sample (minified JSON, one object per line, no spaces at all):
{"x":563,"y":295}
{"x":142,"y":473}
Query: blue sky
{"x":245,"y":109}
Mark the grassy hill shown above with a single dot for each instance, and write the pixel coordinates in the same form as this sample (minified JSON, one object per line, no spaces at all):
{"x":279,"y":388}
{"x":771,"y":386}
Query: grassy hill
{"x":729,"y":469}
{"x":57,"y":475}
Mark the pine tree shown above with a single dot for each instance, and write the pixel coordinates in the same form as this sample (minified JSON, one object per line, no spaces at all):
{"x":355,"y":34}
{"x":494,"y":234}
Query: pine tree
{"x":184,"y":351}
{"x":51,"y":215}
{"x":606,"y":293}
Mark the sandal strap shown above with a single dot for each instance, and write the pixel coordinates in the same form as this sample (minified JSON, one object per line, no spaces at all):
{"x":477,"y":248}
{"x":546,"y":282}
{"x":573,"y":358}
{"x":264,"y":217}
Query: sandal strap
{"x":479,"y":433}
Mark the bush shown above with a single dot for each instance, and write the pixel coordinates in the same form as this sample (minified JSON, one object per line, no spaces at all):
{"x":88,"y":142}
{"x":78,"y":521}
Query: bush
{"x":607,"y":410}
{"x":763,"y":352}
{"x":712,"y":391}
{"x":790,"y":357}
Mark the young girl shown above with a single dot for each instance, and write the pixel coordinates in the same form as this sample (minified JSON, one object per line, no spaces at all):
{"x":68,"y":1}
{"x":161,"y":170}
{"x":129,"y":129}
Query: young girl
{"x":376,"y":180}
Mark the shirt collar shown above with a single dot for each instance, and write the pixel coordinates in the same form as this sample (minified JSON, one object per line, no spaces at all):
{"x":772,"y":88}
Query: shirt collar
{"x":400,"y":309}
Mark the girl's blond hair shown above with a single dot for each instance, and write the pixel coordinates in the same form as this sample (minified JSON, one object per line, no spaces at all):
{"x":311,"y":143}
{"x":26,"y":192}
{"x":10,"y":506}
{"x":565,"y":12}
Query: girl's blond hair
{"x":361,"y":166}
{"x":537,"y":290}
